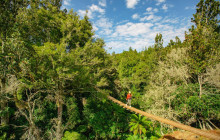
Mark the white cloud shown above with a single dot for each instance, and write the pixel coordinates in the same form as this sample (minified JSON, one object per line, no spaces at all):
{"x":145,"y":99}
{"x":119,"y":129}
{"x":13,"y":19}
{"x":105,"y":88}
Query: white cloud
{"x":131,"y":3}
{"x":170,"y":32}
{"x":66,"y":2}
{"x":135,"y":16}
{"x":121,"y":22}
{"x":152,"y":18}
{"x":95,"y":8}
{"x":90,"y":12}
{"x":102,"y":3}
{"x":106,"y":31}
{"x":170,"y":20}
{"x":121,"y":45}
{"x":141,"y":35}
{"x":116,"y":46}
{"x":105,"y":25}
{"x":133,"y":29}
{"x":191,"y":8}
{"x":95,"y":28}
{"x":149,"y":9}
{"x":82,"y":13}
{"x":164,"y":7}
{"x":147,"y":18}
{"x":155,"y":10}
{"x":160,"y":1}
{"x":187,"y":7}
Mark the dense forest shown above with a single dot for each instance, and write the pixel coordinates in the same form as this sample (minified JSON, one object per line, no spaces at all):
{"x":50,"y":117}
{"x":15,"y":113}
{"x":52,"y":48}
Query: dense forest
{"x":55,"y":76}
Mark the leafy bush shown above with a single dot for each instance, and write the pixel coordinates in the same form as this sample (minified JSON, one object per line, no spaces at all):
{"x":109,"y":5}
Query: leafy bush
{"x":73,"y":136}
{"x":191,"y":108}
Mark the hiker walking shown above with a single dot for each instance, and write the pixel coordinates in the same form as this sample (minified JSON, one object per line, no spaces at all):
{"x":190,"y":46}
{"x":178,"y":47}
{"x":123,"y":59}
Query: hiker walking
{"x":128,"y":99}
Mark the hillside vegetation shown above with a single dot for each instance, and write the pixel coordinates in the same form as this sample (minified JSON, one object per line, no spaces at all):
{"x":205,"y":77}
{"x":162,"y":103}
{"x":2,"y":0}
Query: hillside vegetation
{"x":55,"y":76}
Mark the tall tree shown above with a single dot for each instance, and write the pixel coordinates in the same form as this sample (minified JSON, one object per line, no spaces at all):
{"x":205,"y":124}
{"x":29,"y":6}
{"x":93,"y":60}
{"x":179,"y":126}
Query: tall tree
{"x":159,"y":46}
{"x":207,"y":13}
{"x":159,"y":41}
{"x":204,"y":38}
{"x":8,"y":13}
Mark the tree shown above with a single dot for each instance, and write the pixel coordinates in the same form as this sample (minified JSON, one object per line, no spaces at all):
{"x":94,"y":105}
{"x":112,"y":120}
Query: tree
{"x":58,"y":69}
{"x":139,"y":124}
{"x":26,"y":101}
{"x":37,"y":53}
{"x":178,"y":41}
{"x":64,"y":73}
{"x":127,"y":61}
{"x":158,"y":41}
{"x":206,"y":13}
{"x":171,"y":43}
{"x":159,"y":46}
{"x":193,"y":110}
{"x":8,"y":13}
{"x":212,"y":75}
{"x":166,"y":78}
{"x":204,"y":39}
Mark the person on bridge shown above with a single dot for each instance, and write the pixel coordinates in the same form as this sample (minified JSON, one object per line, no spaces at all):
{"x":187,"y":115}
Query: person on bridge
{"x":129,"y":98}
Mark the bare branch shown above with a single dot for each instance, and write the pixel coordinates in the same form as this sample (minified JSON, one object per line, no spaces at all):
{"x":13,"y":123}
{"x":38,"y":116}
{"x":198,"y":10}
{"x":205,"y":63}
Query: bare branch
{"x":25,"y":115}
{"x":20,"y":126}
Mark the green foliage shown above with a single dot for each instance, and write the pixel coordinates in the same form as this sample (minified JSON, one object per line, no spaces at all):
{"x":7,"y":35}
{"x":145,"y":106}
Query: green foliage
{"x":203,"y":48}
{"x":206,"y":13}
{"x":73,"y":136}
{"x":72,"y":113}
{"x":3,"y":133}
{"x":175,"y":44}
{"x":55,"y":75}
{"x":126,"y":67}
{"x":158,"y":41}
{"x":4,"y":111}
{"x":136,"y":137}
{"x":106,"y":119}
{"x":139,"y":124}
{"x":47,"y":45}
{"x":135,"y":68}
{"x":204,"y":40}
{"x":142,"y":128}
{"x":191,"y":108}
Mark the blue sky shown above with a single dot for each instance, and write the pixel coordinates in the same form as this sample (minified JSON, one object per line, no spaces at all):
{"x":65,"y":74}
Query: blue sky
{"x":135,"y":23}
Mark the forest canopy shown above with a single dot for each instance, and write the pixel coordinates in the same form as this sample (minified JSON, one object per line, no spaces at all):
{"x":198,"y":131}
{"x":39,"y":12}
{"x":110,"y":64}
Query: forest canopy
{"x":55,"y":76}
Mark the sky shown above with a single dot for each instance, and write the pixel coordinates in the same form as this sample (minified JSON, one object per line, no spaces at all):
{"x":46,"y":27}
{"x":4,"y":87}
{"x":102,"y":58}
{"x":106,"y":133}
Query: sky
{"x":135,"y":23}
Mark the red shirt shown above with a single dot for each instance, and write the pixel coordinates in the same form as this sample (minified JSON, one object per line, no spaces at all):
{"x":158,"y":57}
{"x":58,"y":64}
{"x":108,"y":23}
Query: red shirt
{"x":128,"y":96}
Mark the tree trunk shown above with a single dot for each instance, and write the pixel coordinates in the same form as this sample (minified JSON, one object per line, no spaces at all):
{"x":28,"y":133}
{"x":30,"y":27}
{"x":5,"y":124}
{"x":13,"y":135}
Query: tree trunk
{"x":4,"y":104}
{"x":200,"y":85}
{"x":59,"y":121}
{"x":5,"y":118}
{"x":161,"y":129}
{"x":3,"y":43}
{"x":35,"y":130}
